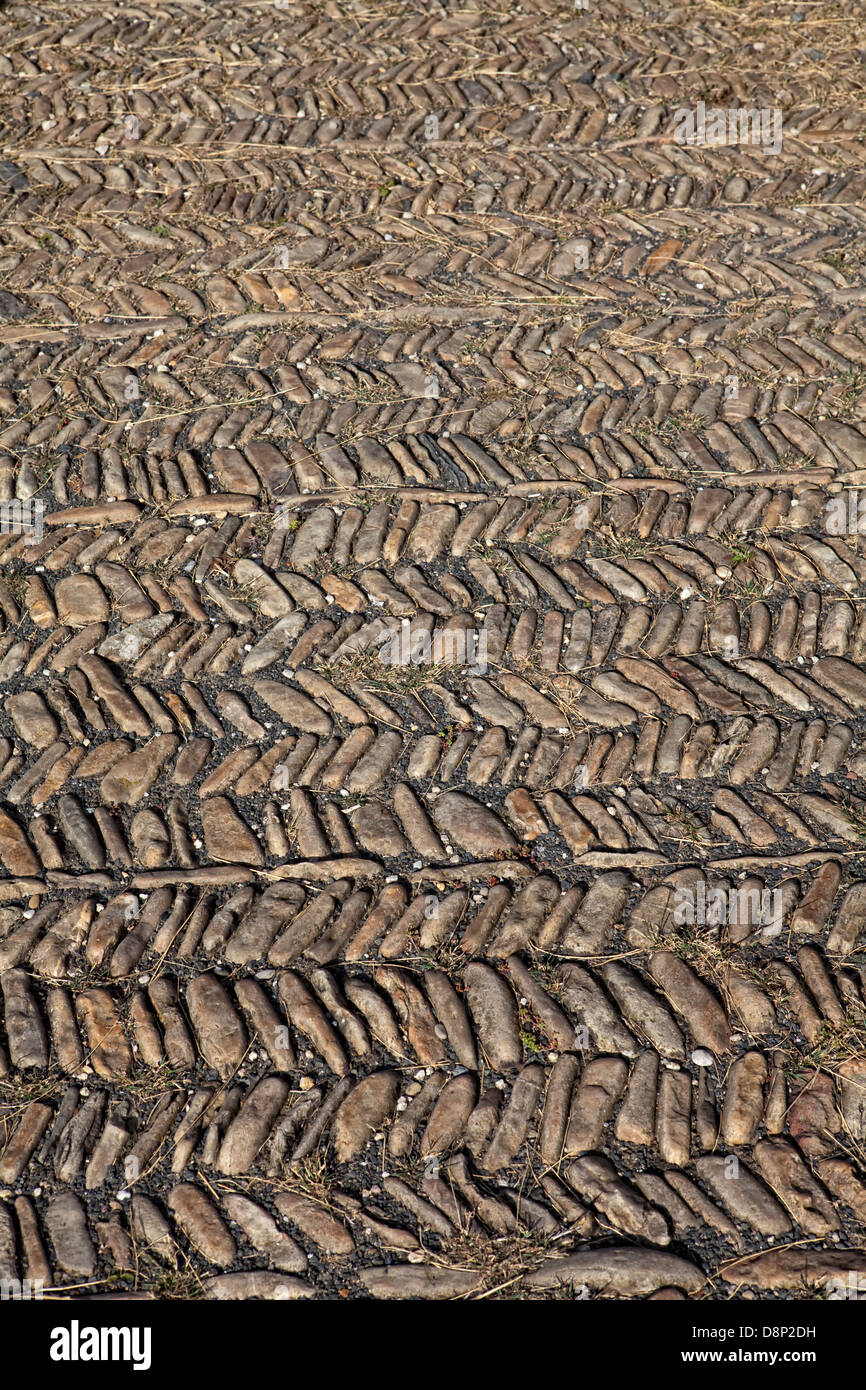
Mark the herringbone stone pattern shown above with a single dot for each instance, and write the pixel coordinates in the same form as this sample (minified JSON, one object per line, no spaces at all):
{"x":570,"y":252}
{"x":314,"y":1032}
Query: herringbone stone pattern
{"x":433,"y":649}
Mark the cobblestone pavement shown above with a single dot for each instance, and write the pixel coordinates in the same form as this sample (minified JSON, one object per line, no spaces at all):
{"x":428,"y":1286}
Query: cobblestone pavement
{"x":432,"y":749}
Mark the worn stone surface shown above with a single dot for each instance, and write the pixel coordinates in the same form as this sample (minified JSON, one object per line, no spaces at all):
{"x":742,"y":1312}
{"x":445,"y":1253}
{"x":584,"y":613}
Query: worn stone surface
{"x":257,"y":1283}
{"x":315,"y":1222}
{"x":787,"y":1174}
{"x":431,"y":650}
{"x":66,"y":1223}
{"x":202,"y":1224}
{"x":418,"y":1281}
{"x":362,"y":1112}
{"x":80,"y":601}
{"x":742,"y":1194}
{"x":619,"y":1271}
{"x":218,"y":1027}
